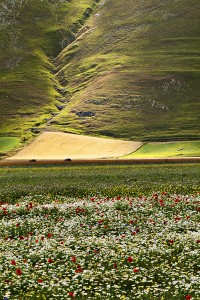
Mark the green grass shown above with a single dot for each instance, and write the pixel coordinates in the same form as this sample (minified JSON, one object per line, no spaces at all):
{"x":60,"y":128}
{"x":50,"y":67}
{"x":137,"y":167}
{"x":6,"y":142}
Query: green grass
{"x":110,"y":180}
{"x":171,"y":149}
{"x":8,"y":143}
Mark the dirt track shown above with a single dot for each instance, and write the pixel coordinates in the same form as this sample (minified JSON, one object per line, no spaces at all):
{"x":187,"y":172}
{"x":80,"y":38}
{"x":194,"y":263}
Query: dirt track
{"x":25,"y":162}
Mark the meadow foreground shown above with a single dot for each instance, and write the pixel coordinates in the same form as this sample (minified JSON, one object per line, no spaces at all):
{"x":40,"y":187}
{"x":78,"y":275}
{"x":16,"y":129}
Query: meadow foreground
{"x":100,"y":232}
{"x":100,"y":247}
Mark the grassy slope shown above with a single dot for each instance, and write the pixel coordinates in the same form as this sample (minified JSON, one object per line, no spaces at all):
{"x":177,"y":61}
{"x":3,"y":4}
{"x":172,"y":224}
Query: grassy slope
{"x":171,"y":149}
{"x":32,"y":33}
{"x":136,"y":67}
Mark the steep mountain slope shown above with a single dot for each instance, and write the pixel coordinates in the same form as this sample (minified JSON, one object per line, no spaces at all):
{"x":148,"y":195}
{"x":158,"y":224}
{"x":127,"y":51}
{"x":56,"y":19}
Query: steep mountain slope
{"x":134,"y":71}
{"x":32,"y":33}
{"x":127,"y":69}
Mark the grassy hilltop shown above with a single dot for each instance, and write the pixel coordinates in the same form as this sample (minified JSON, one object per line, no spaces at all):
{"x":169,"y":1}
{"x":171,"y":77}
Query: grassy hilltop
{"x":110,"y":68}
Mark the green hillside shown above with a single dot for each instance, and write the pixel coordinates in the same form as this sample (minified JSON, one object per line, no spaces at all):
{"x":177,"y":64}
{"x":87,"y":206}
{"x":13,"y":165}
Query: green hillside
{"x":137,"y":69}
{"x":32,"y":34}
{"x":131,"y":68}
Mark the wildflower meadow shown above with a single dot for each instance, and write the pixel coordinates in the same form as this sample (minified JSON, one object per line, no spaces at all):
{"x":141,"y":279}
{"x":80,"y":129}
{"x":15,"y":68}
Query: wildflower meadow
{"x":127,"y":232}
{"x":144,"y":247}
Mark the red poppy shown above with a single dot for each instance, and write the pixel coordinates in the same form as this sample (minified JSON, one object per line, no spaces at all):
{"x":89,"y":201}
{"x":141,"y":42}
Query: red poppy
{"x":80,"y":210}
{"x":177,"y":200}
{"x":188,"y":297}
{"x":197,"y":241}
{"x":79,"y":269}
{"x":73,"y":258}
{"x":49,"y":235}
{"x":19,"y":271}
{"x":171,"y":241}
{"x":50,"y":260}
{"x":176,"y":219}
{"x":135,"y":270}
{"x":164,"y":193}
{"x":130,"y":259}
{"x":13,"y":262}
{"x":61,"y":242}
{"x":162,"y":203}
{"x":133,"y":232}
{"x":21,"y":237}
{"x":30,"y":205}
{"x":115,"y":265}
{"x":40,"y":280}
{"x":71,"y":294}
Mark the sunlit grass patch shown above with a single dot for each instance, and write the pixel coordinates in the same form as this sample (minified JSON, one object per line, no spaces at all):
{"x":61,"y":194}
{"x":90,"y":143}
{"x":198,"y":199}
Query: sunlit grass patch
{"x":8,"y":143}
{"x":169,"y":149}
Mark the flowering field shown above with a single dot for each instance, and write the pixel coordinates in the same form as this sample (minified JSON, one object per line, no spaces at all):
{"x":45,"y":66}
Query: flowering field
{"x":145,"y":247}
{"x":110,"y":180}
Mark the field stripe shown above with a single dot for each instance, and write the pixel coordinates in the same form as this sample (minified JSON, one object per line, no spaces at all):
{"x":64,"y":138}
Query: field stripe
{"x":20,"y":162}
